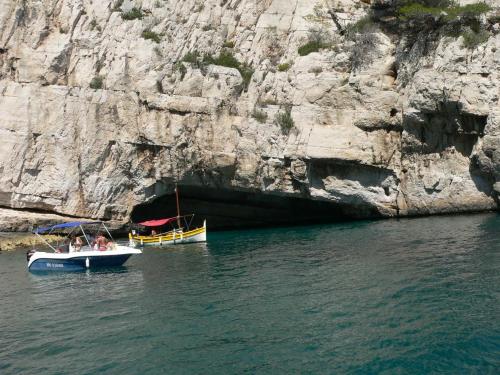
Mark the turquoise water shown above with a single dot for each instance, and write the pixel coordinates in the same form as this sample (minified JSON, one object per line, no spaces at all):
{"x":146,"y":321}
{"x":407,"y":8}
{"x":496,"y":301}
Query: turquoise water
{"x":413,"y":296}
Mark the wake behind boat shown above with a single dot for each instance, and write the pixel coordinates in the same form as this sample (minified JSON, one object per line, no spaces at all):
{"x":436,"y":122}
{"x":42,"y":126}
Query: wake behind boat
{"x":77,"y":254}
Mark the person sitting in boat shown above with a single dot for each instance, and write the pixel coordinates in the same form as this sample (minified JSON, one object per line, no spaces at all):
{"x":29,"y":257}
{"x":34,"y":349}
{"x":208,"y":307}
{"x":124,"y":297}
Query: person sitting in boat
{"x":101,"y":242}
{"x":110,"y":245}
{"x":92,"y":242}
{"x":72,"y":244}
{"x":64,"y":248}
{"x":78,"y":243}
{"x":153,"y":232}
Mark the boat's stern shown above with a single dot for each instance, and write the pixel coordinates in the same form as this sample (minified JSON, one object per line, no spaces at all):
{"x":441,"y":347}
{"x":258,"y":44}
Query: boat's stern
{"x":29,"y":254}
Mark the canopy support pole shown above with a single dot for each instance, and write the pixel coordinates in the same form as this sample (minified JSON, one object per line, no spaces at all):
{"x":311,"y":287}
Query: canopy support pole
{"x":43,"y":239}
{"x":86,"y":239}
{"x":110,"y":236}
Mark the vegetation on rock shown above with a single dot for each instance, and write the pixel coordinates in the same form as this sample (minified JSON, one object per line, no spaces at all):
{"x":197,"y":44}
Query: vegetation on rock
{"x":179,"y":67}
{"x":284,"y":67}
{"x":441,"y":16}
{"x":96,"y":83}
{"x":118,"y":6}
{"x":151,"y":35}
{"x":472,"y":39}
{"x":309,"y":48}
{"x":191,"y":57}
{"x":159,"y":87}
{"x":316,"y":70}
{"x":446,"y":9}
{"x":285,"y":120}
{"x":227,"y":59}
{"x":267,"y":101}
{"x":425,"y":21}
{"x":132,"y":14}
{"x":318,"y":38}
{"x":259,"y":115}
{"x":25,"y":240}
{"x":363,"y":25}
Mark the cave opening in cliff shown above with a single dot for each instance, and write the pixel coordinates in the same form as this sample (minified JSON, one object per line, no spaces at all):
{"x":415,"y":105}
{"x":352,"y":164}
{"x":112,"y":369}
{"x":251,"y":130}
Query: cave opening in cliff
{"x":228,"y":209}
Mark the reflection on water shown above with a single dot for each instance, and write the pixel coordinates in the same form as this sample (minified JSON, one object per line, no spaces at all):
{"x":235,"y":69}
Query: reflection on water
{"x":398,"y":296}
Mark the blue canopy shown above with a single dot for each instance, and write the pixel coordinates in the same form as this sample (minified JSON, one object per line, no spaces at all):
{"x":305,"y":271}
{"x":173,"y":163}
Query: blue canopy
{"x":64,"y":225}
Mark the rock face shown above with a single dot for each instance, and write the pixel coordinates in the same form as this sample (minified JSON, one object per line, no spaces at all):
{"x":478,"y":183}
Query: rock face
{"x":395,"y":132}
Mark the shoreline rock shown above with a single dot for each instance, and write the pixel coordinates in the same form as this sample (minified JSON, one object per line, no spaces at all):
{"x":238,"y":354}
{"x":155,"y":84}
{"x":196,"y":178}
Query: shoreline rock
{"x":23,"y":221}
{"x":14,"y":241}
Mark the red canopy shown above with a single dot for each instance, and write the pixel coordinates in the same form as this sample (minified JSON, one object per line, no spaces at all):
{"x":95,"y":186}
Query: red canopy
{"x":157,"y":223}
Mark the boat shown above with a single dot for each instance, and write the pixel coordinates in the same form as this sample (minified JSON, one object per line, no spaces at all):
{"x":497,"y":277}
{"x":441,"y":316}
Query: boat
{"x":180,"y":232}
{"x":79,"y":255}
{"x":175,"y":236}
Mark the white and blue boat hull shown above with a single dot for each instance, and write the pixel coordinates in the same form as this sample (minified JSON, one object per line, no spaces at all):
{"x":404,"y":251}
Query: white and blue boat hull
{"x":80,"y":261}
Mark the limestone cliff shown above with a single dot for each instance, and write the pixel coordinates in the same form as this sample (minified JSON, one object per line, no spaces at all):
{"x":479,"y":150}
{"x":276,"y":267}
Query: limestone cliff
{"x":100,"y":110}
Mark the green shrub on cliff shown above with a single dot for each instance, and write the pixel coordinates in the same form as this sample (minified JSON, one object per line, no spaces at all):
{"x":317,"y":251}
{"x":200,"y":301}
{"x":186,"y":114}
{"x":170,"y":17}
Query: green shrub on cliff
{"x":151,"y":35}
{"x":434,"y":18}
{"x":449,"y":11}
{"x":285,"y":120}
{"x":472,"y":39}
{"x":132,"y":14}
{"x":361,"y":26}
{"x":246,"y":73}
{"x":284,"y":67}
{"x":227,"y":59}
{"x":259,"y":115}
{"x":417,"y":10}
{"x":318,"y":38}
{"x":96,"y":83}
{"x":117,"y":7}
{"x":309,"y":48}
{"x":179,"y":67}
{"x":191,"y":57}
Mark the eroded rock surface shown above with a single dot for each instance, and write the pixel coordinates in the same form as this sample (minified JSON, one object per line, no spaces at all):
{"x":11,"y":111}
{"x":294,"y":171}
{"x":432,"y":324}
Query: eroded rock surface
{"x":398,"y":133}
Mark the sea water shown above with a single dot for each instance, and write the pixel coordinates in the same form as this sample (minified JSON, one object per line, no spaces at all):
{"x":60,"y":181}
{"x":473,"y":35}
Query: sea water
{"x":410,"y":296}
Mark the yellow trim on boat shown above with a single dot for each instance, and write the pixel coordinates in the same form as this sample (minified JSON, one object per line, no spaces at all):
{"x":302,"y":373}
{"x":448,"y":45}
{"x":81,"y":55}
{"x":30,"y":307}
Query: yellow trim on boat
{"x":167,"y":236}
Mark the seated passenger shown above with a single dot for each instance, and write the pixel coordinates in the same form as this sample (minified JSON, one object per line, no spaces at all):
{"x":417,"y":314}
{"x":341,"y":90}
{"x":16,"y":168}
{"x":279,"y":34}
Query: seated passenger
{"x":153,"y":232}
{"x":92,"y":242}
{"x":101,"y":242}
{"x":72,"y":244}
{"x":78,"y":243}
{"x":64,"y":248}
